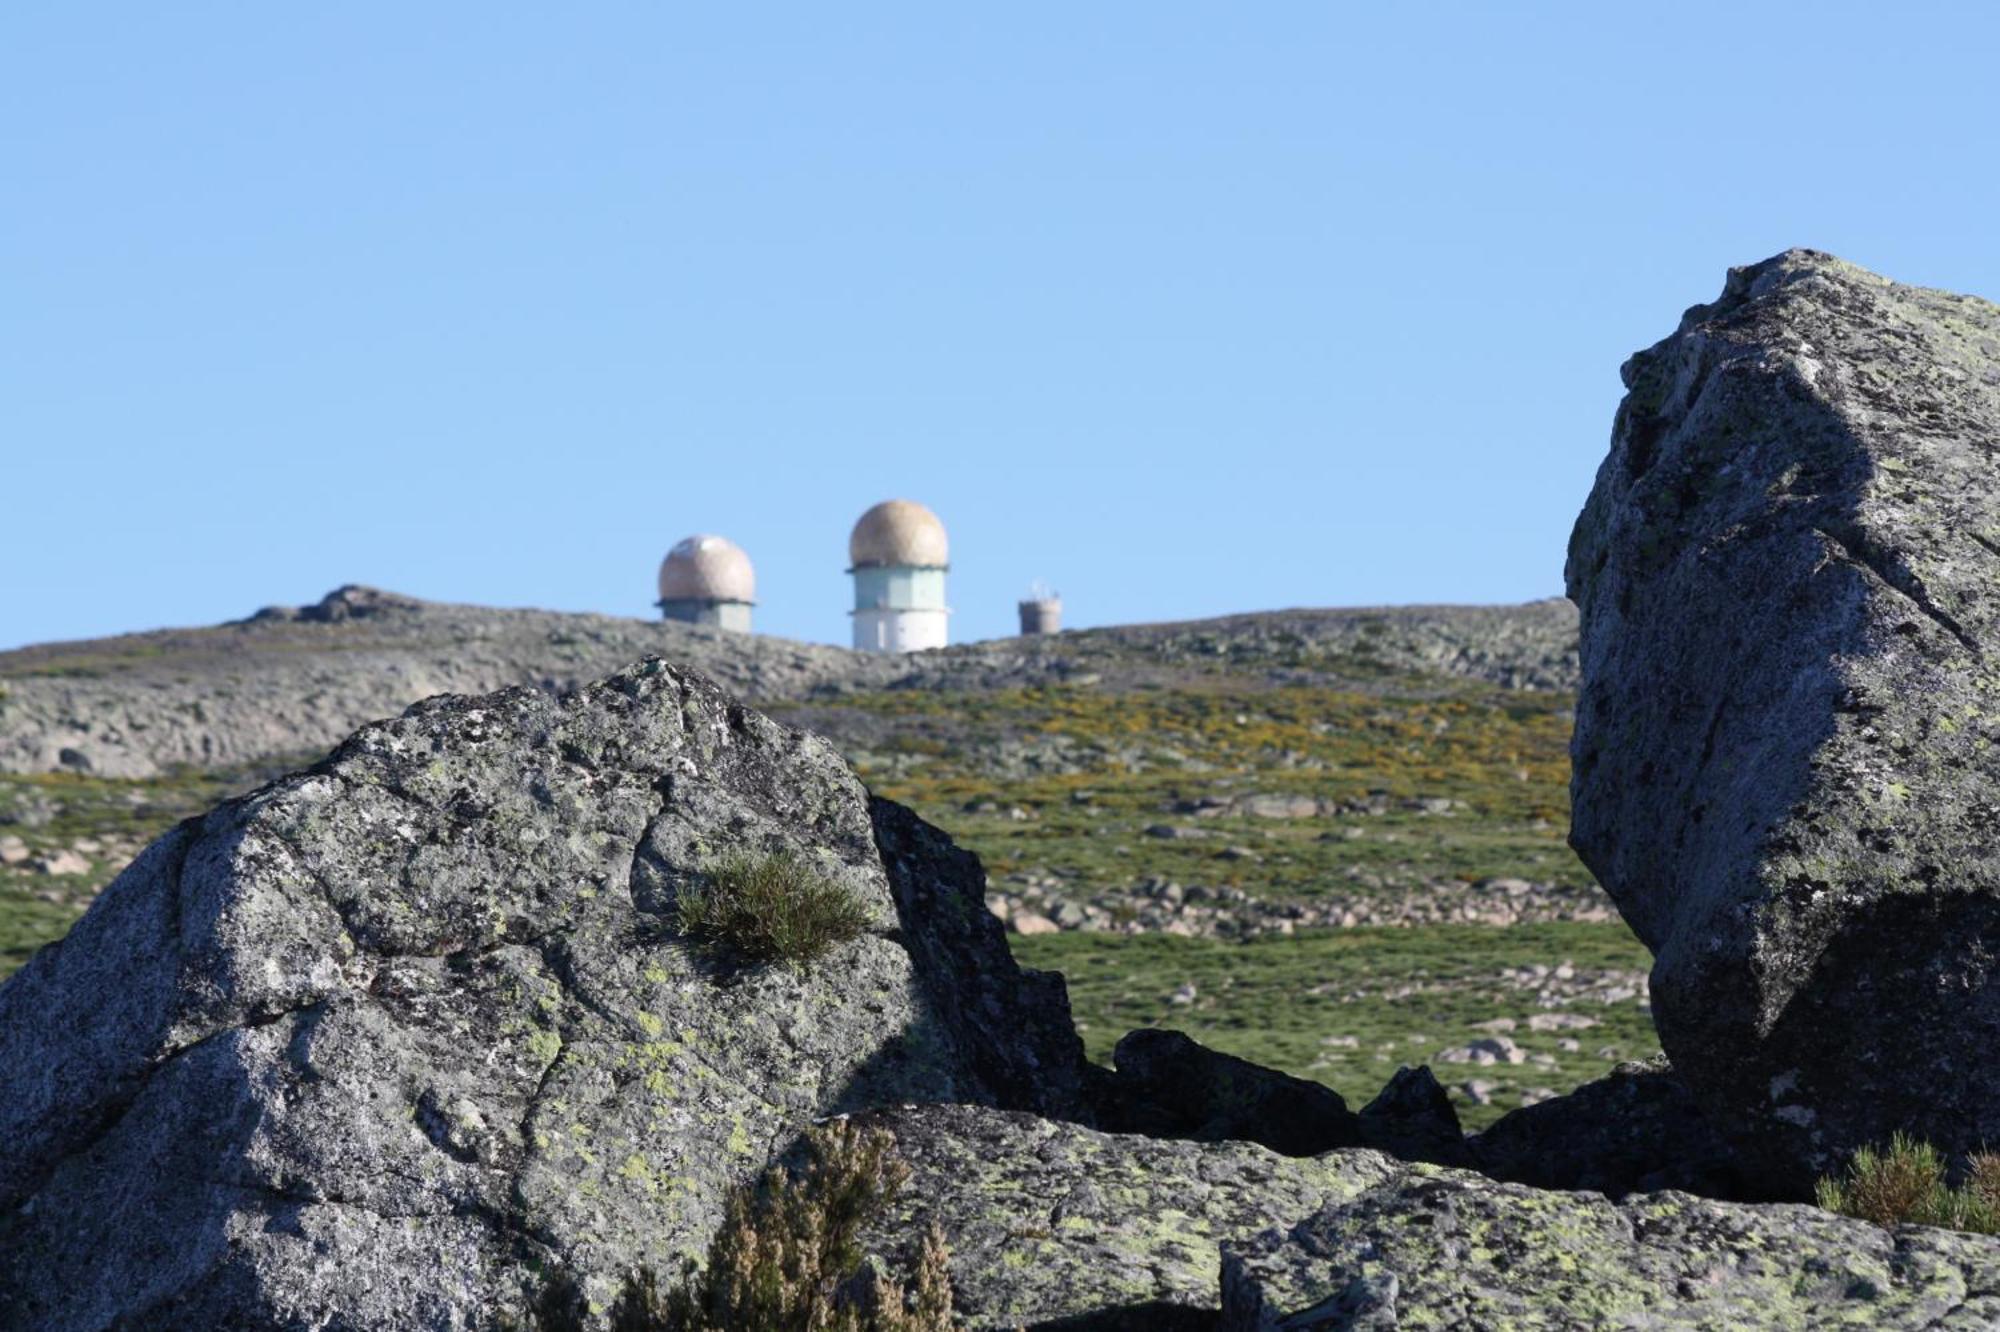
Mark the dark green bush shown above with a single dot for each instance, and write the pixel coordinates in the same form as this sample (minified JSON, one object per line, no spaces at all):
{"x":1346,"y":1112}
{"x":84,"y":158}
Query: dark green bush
{"x":770,"y":908}
{"x":1905,"y":1183}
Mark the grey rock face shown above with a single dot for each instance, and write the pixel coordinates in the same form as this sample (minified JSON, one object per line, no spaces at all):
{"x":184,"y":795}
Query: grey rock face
{"x":1011,"y":1028}
{"x":1789,"y":577}
{"x":362,"y":1044}
{"x":292,"y":681}
{"x":1050,"y":1222}
{"x":1638,"y":1130}
{"x":1431,"y":1248}
{"x":1054,"y":1225}
{"x":1412,"y":1118}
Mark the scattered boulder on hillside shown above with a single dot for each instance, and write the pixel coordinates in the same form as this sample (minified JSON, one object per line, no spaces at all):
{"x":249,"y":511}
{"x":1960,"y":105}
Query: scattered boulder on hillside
{"x":1785,"y":768}
{"x":349,"y":602}
{"x":1168,"y":1085}
{"x":1412,"y":1118}
{"x":1637,"y":1130}
{"x":1432,"y":1248}
{"x":366,"y":1044}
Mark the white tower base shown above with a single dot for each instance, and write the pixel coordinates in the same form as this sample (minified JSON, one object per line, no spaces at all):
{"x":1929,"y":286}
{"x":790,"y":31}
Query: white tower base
{"x":889,"y":630}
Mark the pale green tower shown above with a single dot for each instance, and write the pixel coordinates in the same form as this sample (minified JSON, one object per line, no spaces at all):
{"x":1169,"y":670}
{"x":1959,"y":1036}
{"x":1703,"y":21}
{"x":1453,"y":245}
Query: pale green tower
{"x":899,"y":556}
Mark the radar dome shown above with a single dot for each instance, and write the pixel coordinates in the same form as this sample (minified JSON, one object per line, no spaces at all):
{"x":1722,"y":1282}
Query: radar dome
{"x":707,"y":568}
{"x":898,"y":532}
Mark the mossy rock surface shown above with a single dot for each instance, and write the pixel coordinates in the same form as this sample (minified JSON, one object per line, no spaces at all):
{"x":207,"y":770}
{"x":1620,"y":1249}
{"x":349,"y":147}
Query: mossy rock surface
{"x":1785,"y":759}
{"x":1434,"y":1250}
{"x":1050,"y":1221}
{"x":377,"y":1041}
{"x":1055,"y":1225}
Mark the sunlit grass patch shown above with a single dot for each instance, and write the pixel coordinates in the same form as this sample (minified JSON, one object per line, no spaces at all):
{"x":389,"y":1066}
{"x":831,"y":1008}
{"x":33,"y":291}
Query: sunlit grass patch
{"x":1346,"y":1007}
{"x":1067,"y":779}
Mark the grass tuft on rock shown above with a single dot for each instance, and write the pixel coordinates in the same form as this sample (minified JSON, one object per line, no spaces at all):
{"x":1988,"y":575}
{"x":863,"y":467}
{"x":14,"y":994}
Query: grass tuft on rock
{"x":770,"y":908}
{"x":788,"y":1257}
{"x":1905,"y":1183}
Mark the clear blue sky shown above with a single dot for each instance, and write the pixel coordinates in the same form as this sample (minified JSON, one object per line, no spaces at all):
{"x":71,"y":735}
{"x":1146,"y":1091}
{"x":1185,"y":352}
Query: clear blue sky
{"x":1186,"y":309}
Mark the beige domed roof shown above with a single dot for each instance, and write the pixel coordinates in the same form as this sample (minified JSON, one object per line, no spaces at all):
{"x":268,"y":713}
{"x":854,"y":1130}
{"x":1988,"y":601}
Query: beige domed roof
{"x":898,"y":532}
{"x":707,"y":568}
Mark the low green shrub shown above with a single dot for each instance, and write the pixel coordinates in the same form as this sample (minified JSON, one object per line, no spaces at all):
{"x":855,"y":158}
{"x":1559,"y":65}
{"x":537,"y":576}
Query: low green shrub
{"x":783,"y":1261}
{"x":770,"y":908}
{"x":1905,"y":1183}
{"x":786,"y":1258}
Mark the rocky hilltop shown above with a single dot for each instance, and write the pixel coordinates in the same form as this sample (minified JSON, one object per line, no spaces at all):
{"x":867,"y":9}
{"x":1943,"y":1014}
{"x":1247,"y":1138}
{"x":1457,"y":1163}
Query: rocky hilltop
{"x":379,"y":1044}
{"x":440,"y":1032}
{"x":292,"y":681}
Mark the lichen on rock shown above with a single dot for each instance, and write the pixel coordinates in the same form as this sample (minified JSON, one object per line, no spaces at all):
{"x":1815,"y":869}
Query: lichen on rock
{"x":1784,"y":761}
{"x":1436,"y":1249}
{"x":1051,"y":1221}
{"x":385,"y":1034}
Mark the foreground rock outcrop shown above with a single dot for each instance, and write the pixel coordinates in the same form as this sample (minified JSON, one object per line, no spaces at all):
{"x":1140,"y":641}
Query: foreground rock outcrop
{"x":1431,"y":1248}
{"x":1168,"y":1085}
{"x":1412,"y":1118}
{"x":1789,"y":580}
{"x":369,"y":1042}
{"x":1052,"y":1222}
{"x":1060,"y":1226}
{"x":1640,"y":1130}
{"x":386,"y":1043}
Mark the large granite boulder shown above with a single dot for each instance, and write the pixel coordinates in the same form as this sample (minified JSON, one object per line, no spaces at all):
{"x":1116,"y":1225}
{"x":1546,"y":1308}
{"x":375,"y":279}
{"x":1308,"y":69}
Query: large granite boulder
{"x":1785,"y":768}
{"x":1432,"y":1248}
{"x":361,"y":1049}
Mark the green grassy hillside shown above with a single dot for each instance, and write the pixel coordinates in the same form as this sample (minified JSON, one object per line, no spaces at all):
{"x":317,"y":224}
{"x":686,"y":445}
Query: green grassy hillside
{"x":1392,"y":800}
{"x":1291,"y":795}
{"x":63,"y":836}
{"x":1347,"y":1006}
{"x":1192,"y":834}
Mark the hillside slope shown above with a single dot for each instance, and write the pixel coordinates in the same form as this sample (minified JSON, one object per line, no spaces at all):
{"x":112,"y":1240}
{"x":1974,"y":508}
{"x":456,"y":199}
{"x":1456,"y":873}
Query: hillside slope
{"x":1238,"y":779}
{"x":292,"y":681}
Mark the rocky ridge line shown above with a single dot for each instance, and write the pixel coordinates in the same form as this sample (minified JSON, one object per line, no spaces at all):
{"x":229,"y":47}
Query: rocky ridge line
{"x":292,"y":681}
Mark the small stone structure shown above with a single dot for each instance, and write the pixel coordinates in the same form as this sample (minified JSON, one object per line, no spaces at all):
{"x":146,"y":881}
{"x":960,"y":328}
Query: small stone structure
{"x":1041,"y":614}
